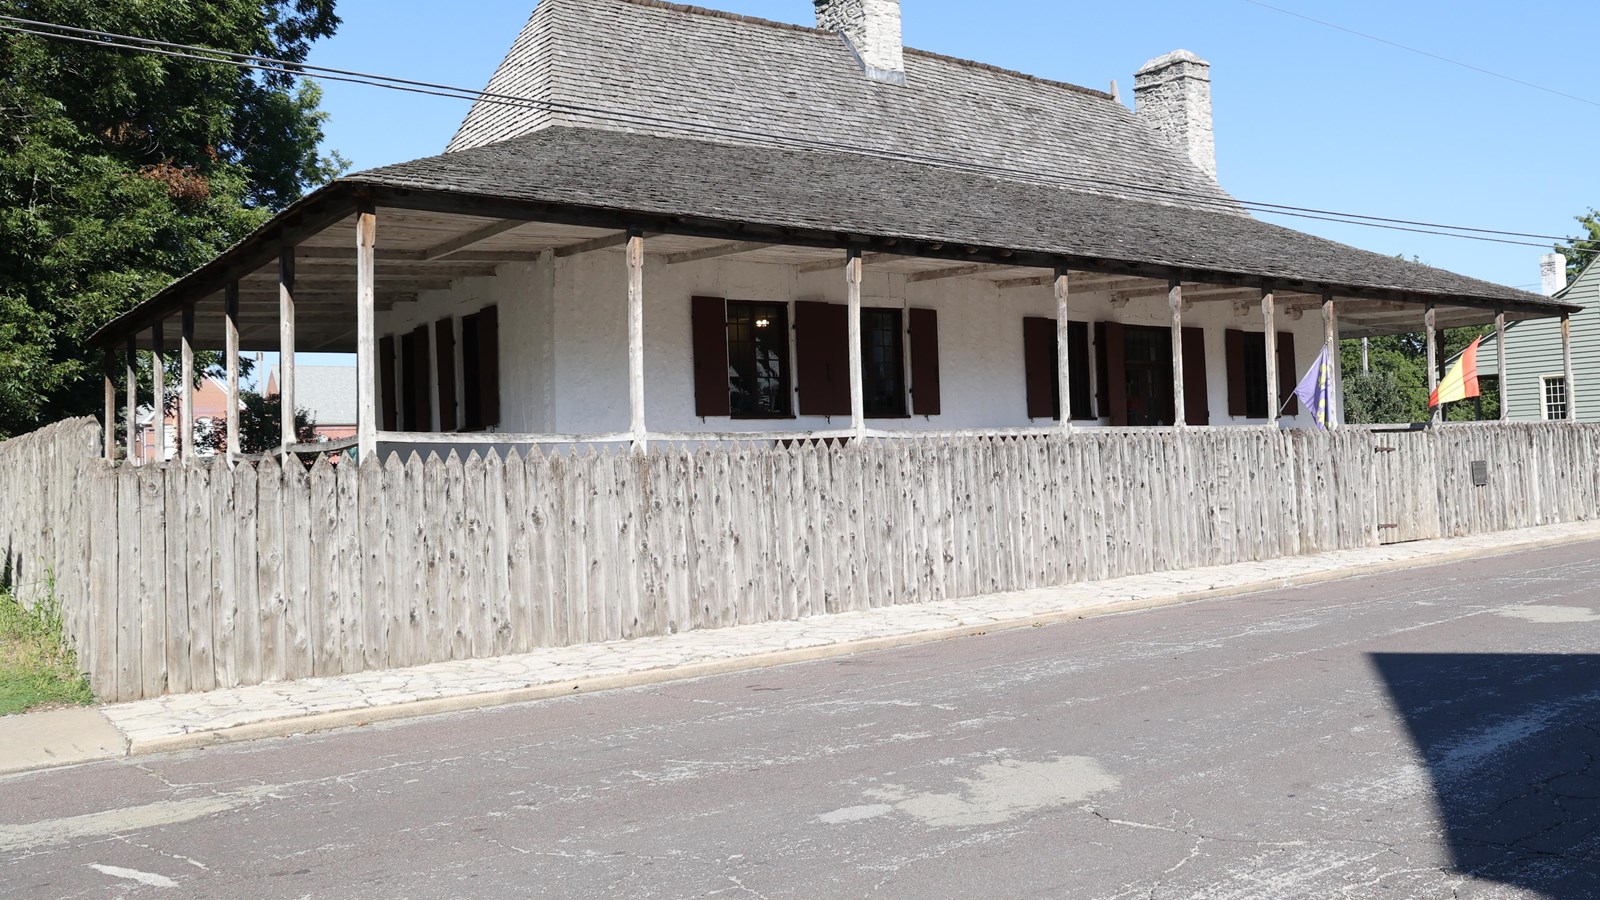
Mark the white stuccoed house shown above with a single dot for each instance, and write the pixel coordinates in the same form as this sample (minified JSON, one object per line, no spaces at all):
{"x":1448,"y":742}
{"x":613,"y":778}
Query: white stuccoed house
{"x":799,"y":204}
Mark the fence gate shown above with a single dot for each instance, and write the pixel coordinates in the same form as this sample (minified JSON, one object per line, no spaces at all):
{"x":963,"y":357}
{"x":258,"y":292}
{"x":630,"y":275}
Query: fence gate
{"x":1407,"y":490}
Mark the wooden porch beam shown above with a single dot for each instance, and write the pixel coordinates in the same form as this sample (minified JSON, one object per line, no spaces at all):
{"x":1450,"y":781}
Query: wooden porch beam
{"x":852,"y":278}
{"x":339,"y":269}
{"x":1500,"y":357}
{"x":108,"y":431}
{"x":1030,"y":281}
{"x":286,"y":347}
{"x":1430,"y":325}
{"x":230,"y":337}
{"x":1175,"y":303}
{"x":186,"y":387}
{"x":603,"y":242}
{"x":1566,"y":366}
{"x":366,"y":336}
{"x":1063,"y":350}
{"x":960,"y":272}
{"x":636,"y":341}
{"x":729,"y":249}
{"x":477,"y":235}
{"x":828,"y":265}
{"x":346,"y":284}
{"x":1330,"y":336}
{"x":131,"y":388}
{"x":400,"y":255}
{"x":1270,"y":333}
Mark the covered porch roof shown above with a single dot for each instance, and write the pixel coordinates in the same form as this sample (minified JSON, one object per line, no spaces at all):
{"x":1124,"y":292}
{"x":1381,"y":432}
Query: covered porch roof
{"x":571,"y":190}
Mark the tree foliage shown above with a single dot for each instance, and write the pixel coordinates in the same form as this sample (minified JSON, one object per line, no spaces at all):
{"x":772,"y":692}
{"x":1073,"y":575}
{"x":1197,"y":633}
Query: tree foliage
{"x":1395,"y":389}
{"x":120,"y":171}
{"x":1581,"y":251}
{"x":260,"y":426}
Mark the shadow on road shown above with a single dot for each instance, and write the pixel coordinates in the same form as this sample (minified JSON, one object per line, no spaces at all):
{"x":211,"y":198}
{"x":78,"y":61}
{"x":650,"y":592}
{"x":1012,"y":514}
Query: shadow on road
{"x":1512,"y":743}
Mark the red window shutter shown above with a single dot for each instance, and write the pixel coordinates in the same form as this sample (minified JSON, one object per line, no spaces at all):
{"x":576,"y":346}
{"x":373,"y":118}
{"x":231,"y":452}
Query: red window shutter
{"x":924,"y":362}
{"x":1233,"y":343}
{"x":1196,"y":406}
{"x":489,"y":365}
{"x":822,"y":358}
{"x":708,"y":325}
{"x":387,"y":382}
{"x":1039,"y":366}
{"x":1116,"y":373}
{"x":419,"y":413}
{"x":1288,"y":375}
{"x":444,"y":365}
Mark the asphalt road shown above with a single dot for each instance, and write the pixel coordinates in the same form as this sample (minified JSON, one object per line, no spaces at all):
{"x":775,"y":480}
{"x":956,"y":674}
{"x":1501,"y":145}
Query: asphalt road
{"x":1428,"y":734}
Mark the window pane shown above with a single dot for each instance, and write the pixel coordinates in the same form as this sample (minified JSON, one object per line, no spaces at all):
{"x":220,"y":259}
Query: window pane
{"x":758,"y":360}
{"x":882,"y":363}
{"x":1555,"y":398}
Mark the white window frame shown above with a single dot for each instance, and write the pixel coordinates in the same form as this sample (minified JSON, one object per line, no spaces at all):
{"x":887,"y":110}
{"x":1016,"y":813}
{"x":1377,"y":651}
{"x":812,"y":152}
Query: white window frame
{"x":1544,"y":397}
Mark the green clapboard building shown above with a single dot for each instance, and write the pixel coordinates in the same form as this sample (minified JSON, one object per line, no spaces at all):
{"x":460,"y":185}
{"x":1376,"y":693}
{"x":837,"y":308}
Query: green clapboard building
{"x":1536,"y":388}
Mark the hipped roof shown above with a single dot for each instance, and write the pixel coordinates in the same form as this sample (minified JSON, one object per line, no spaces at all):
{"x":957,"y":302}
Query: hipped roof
{"x":610,"y":179}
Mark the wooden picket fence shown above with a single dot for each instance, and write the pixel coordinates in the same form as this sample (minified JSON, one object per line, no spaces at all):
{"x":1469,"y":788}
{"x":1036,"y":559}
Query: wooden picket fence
{"x":192,"y":577}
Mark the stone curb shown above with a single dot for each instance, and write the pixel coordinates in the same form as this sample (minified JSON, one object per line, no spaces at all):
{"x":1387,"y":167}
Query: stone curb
{"x":305,"y":724}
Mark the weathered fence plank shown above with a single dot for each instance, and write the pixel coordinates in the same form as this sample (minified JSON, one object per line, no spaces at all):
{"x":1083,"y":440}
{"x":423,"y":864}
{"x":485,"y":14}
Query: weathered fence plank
{"x":188,"y":576}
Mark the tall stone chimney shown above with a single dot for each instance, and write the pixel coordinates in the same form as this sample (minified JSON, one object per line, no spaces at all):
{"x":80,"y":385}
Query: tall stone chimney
{"x":871,"y":28}
{"x":1552,"y":273}
{"x":1172,"y":94}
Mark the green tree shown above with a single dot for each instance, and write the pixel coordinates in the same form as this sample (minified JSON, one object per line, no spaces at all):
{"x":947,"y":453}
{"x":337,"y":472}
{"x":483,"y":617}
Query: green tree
{"x":1395,"y":390}
{"x":1579,"y":252}
{"x":120,"y":171}
{"x":260,"y":425}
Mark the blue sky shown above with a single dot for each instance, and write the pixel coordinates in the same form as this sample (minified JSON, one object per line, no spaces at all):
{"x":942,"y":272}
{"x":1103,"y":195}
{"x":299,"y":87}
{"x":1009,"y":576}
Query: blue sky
{"x":1305,"y":114}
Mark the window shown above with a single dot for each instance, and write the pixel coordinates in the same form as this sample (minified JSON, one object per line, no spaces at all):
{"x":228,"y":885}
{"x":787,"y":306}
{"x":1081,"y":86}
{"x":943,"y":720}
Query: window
{"x":883,"y":366}
{"x":742,"y":365}
{"x":758,"y":360}
{"x":1040,"y":363}
{"x":1246,"y":358}
{"x":1555,"y":397}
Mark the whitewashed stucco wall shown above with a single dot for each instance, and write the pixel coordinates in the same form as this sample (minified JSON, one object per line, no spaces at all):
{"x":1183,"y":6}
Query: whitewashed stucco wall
{"x":563,"y":339}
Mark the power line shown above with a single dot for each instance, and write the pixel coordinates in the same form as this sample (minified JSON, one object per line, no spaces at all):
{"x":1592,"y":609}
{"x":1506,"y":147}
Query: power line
{"x":1444,"y":59}
{"x":111,"y":40}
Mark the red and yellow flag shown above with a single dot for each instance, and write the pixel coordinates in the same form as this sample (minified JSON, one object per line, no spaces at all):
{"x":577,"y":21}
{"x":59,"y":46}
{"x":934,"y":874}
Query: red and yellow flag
{"x":1461,"y":381}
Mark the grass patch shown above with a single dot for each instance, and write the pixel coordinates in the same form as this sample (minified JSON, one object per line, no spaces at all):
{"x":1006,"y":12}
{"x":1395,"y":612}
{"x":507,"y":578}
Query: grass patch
{"x":37,"y":666}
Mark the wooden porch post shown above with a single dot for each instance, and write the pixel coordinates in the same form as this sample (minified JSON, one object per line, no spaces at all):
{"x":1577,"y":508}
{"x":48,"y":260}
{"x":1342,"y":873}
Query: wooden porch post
{"x":1175,"y":300}
{"x":1429,"y":321}
{"x":1063,"y":352}
{"x":186,"y":389}
{"x":286,"y":347}
{"x":1269,"y":322}
{"x":366,"y":325}
{"x":109,"y":431}
{"x":852,"y":277}
{"x":1500,"y":358}
{"x":158,"y":378}
{"x":636,"y":339}
{"x":1330,"y":337}
{"x":1566,"y":367}
{"x":230,"y":328}
{"x":131,"y":411}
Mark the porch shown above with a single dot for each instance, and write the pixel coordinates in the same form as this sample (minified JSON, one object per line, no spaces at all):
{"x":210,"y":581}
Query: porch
{"x":562,"y":307}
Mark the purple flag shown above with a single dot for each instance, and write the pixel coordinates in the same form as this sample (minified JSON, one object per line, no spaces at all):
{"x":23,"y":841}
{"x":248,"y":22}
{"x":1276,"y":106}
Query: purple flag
{"x":1316,"y":389}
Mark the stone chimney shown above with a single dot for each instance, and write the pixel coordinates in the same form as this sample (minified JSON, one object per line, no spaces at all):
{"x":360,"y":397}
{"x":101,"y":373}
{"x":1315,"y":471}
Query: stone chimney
{"x":1172,"y":94}
{"x":1552,"y":273}
{"x":871,"y":29}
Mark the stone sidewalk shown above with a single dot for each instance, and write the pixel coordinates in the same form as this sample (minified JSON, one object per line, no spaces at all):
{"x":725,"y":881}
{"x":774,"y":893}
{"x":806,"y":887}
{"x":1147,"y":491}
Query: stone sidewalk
{"x":188,"y":721}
